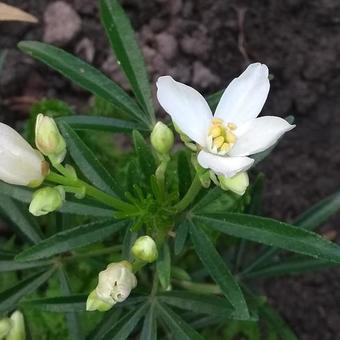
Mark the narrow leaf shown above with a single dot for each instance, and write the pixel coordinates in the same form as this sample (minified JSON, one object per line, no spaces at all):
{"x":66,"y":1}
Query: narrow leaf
{"x":198,"y":303}
{"x":184,"y":173}
{"x":88,"y":163}
{"x":219,"y":271}
{"x":11,"y":265}
{"x":10,"y":297}
{"x":71,"y":239}
{"x":149,"y":330}
{"x":182,"y":232}
{"x":176,"y":325}
{"x":122,"y":38}
{"x":273,"y":233}
{"x":60,"y":304}
{"x":21,"y":219}
{"x":101,"y":124}
{"x":84,"y":75}
{"x":163,"y":266}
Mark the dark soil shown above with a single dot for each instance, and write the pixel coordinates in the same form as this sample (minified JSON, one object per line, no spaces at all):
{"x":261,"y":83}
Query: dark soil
{"x":206,"y":43}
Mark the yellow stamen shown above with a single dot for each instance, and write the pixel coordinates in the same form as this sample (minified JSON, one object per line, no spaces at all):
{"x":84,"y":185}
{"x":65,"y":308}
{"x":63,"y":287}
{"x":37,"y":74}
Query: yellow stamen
{"x":225,"y":147}
{"x":217,"y":121}
{"x":215,"y":131}
{"x":218,"y":142}
{"x":231,"y":138}
{"x":231,"y":126}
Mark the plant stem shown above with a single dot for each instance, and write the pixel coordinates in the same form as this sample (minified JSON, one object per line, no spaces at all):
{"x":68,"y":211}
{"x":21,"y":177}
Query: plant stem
{"x":190,"y":195}
{"x":205,"y":288}
{"x":91,"y":191}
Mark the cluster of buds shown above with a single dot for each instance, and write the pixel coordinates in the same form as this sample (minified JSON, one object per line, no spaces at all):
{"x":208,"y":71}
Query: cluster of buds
{"x":13,"y":328}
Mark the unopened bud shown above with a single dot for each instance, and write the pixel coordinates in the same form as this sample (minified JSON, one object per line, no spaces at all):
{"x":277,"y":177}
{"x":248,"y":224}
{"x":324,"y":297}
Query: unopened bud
{"x":5,"y":326}
{"x":17,"y":331}
{"x":46,"y":200}
{"x":114,"y":285}
{"x":145,"y":249}
{"x":237,"y":184}
{"x":48,"y":139}
{"x":162,"y":138}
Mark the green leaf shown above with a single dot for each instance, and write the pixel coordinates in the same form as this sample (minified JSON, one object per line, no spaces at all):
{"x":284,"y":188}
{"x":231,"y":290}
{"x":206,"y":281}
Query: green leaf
{"x":11,"y":265}
{"x":17,"y":192}
{"x":176,"y":325}
{"x":10,"y":297}
{"x":184,"y":174}
{"x":60,"y":304}
{"x":88,"y":163}
{"x":219,"y":271}
{"x":72,"y":318}
{"x":149,"y":330}
{"x":214,"y":99}
{"x":21,"y":219}
{"x":126,"y":325}
{"x":70,"y":239}
{"x":181,"y":236}
{"x":198,"y":303}
{"x":163,"y":266}
{"x":123,"y":42}
{"x":273,"y":233}
{"x":84,"y":75}
{"x":275,"y":321}
{"x":101,"y":124}
{"x":145,"y":157}
{"x":291,"y":266}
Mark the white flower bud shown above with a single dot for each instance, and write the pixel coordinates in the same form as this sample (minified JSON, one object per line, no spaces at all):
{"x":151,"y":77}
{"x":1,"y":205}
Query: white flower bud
{"x":145,"y":249}
{"x":162,"y":138}
{"x":17,"y":331}
{"x":5,"y":326}
{"x":114,"y":285}
{"x":46,"y":200}
{"x":48,"y":138}
{"x":20,"y":164}
{"x":237,"y":184}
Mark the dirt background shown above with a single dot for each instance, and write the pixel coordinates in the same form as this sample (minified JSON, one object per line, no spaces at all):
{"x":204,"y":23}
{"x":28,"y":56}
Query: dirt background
{"x":206,"y":43}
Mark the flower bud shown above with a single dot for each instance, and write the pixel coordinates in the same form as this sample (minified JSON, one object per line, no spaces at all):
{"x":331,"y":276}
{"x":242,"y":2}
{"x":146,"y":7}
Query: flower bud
{"x":162,"y":138}
{"x":114,"y":285}
{"x":237,"y":184}
{"x":48,"y":139}
{"x":20,"y":164}
{"x":17,"y":331}
{"x":46,"y":200}
{"x":5,"y":326}
{"x":145,"y":249}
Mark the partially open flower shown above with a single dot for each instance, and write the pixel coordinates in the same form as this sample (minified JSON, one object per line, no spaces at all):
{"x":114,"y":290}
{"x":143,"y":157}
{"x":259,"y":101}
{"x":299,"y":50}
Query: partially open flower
{"x":20,"y":164}
{"x":237,"y":184}
{"x":233,"y":133}
{"x":46,"y":200}
{"x":145,"y":249}
{"x":17,"y":331}
{"x":114,"y":285}
{"x":48,"y":138}
{"x":162,"y":138}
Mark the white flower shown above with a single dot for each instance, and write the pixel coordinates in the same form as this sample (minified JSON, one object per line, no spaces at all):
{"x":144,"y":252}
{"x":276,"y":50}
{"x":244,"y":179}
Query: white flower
{"x":20,"y":164}
{"x":234,"y":132}
{"x":114,"y":285}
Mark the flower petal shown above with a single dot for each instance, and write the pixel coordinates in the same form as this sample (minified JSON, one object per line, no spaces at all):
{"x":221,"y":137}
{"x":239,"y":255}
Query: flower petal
{"x":187,"y":108}
{"x":245,"y":96}
{"x":226,"y":166}
{"x":258,"y":135}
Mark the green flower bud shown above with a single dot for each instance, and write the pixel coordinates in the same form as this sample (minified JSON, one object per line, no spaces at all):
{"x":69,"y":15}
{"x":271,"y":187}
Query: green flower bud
{"x":46,"y":200}
{"x":145,"y":249}
{"x":237,"y":184}
{"x":5,"y":326}
{"x":17,"y":331}
{"x":48,"y":139}
{"x":95,"y":303}
{"x":162,"y":138}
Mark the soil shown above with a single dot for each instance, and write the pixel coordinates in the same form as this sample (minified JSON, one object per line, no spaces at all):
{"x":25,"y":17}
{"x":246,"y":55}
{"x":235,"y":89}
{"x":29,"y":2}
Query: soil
{"x":206,"y":43}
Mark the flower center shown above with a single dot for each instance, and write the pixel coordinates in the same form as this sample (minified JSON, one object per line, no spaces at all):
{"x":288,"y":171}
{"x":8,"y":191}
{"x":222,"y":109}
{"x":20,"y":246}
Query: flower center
{"x":221,"y":136}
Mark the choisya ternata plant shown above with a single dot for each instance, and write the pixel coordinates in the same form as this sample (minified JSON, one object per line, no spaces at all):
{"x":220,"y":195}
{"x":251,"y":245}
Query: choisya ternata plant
{"x":155,"y":242}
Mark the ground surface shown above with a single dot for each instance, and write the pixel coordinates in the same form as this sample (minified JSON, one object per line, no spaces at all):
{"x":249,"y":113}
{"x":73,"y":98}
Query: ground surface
{"x":206,"y":43}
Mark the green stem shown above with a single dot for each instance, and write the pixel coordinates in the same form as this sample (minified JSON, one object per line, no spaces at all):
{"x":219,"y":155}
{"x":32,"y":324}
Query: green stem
{"x":190,"y":195}
{"x":91,"y":191}
{"x":205,"y":288}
